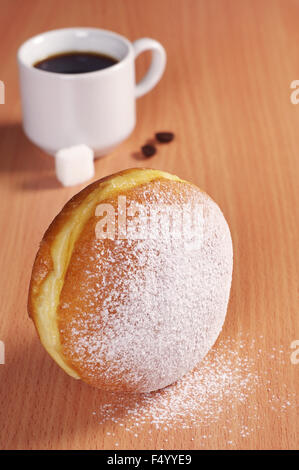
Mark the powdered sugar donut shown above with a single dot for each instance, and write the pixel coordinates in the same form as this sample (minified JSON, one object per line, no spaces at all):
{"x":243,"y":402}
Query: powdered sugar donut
{"x":130,"y":286}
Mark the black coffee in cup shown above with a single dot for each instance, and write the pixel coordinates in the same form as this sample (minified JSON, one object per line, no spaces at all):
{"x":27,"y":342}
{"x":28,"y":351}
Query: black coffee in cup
{"x":75,"y":62}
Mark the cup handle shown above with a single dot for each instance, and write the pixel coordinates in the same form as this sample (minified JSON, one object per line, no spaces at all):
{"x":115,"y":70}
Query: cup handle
{"x":157,"y":66}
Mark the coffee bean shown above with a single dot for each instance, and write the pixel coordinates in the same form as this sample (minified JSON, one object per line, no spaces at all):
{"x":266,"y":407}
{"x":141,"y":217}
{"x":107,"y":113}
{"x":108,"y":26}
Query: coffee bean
{"x":164,"y":137}
{"x":148,"y":150}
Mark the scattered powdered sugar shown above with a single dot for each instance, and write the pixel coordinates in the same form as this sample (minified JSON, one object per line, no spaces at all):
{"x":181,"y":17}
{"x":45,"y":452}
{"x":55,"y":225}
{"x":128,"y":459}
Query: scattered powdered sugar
{"x":198,"y":398}
{"x":226,"y":381}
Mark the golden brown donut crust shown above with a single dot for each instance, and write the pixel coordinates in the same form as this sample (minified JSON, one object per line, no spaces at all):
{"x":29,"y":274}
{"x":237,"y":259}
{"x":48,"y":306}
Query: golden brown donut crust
{"x":85,"y":292}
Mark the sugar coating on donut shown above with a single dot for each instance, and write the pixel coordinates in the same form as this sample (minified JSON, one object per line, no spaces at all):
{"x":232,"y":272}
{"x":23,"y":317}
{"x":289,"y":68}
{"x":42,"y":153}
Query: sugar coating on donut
{"x":137,"y":314}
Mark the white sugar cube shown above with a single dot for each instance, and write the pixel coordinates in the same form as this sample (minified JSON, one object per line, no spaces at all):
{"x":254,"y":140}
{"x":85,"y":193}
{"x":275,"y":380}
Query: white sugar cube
{"x":74,"y":165}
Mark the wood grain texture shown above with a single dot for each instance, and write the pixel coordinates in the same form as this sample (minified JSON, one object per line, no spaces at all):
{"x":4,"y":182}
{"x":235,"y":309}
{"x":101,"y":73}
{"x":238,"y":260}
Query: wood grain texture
{"x":226,"y":95}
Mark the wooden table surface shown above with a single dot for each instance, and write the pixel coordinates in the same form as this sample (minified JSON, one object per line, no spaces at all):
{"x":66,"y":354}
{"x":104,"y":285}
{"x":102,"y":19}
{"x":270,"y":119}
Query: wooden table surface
{"x":226,"y":95}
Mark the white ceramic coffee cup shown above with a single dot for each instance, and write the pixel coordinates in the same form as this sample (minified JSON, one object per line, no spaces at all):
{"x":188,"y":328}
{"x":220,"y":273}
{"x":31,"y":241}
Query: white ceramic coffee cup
{"x":95,"y":108}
